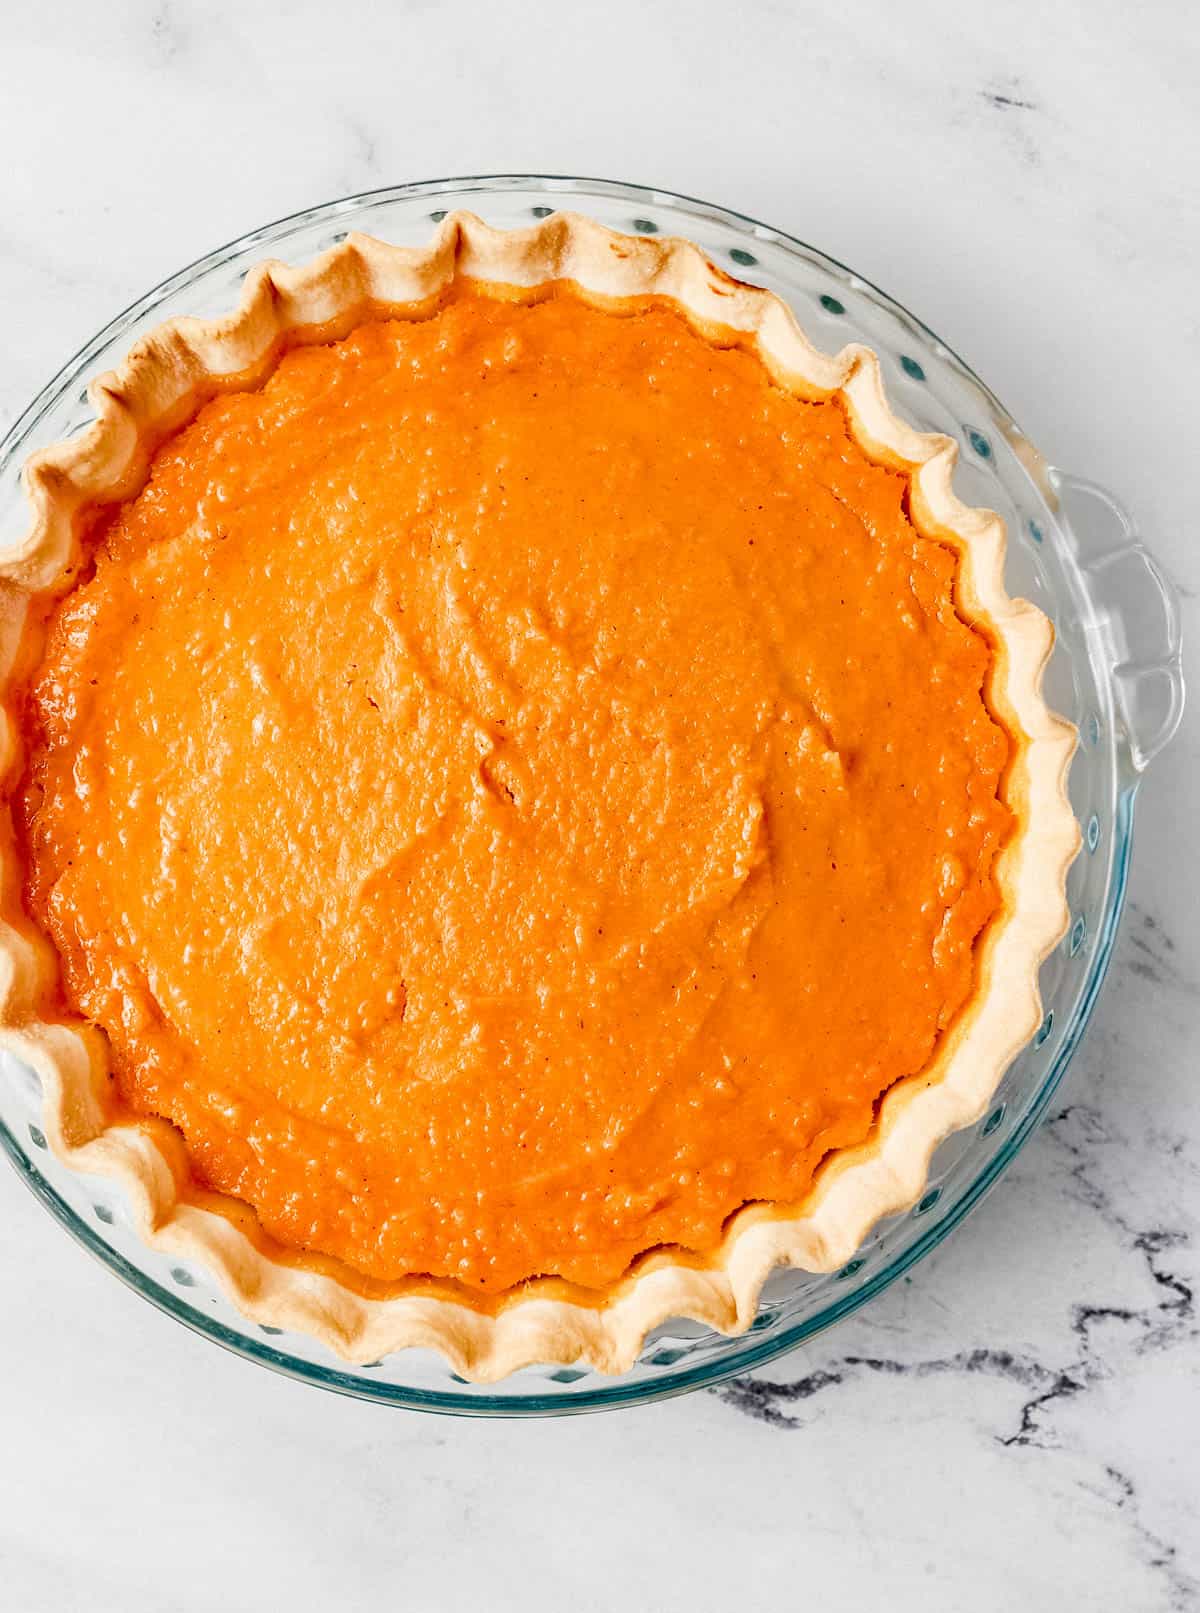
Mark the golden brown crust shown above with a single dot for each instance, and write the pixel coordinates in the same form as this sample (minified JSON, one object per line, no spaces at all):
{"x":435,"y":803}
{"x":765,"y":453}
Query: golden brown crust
{"x":162,"y":382}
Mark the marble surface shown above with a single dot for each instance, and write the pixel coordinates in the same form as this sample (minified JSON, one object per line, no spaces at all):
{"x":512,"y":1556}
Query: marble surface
{"x":1019,"y":1422}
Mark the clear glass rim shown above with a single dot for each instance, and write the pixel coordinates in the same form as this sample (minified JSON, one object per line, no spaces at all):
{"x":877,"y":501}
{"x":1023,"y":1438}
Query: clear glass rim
{"x":752,"y":1353}
{"x":551,"y":184}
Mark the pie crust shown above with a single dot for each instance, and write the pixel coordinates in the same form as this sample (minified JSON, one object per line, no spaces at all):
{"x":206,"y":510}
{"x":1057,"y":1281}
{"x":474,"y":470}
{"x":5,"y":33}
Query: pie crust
{"x":164,"y":379}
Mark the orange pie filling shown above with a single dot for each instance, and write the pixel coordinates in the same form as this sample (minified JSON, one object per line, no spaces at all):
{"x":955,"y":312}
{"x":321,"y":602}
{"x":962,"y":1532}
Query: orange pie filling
{"x":514,"y":788}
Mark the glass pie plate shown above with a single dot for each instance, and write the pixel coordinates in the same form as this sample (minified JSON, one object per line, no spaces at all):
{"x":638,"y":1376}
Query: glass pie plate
{"x":1115,"y":673}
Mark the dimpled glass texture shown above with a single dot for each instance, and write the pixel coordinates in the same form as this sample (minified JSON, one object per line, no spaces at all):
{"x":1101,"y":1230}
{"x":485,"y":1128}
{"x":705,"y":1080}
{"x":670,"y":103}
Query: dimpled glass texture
{"x":1115,"y":674}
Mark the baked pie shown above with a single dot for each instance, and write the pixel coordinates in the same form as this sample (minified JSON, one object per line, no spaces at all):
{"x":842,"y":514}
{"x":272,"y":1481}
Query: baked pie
{"x":528,"y":802}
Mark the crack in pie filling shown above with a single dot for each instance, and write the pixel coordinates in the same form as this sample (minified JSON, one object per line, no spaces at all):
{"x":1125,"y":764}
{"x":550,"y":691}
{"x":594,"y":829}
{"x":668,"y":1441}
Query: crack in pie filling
{"x":513,"y":785}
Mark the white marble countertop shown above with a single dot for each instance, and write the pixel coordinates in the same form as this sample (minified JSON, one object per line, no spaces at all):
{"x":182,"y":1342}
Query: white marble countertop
{"x":1018,"y":1422}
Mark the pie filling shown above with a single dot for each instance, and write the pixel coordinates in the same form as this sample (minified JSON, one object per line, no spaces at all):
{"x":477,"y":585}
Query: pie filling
{"x":514,"y":789}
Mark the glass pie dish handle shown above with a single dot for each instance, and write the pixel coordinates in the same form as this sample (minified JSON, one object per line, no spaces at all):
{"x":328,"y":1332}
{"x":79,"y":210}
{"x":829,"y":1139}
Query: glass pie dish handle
{"x":1135,"y":605}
